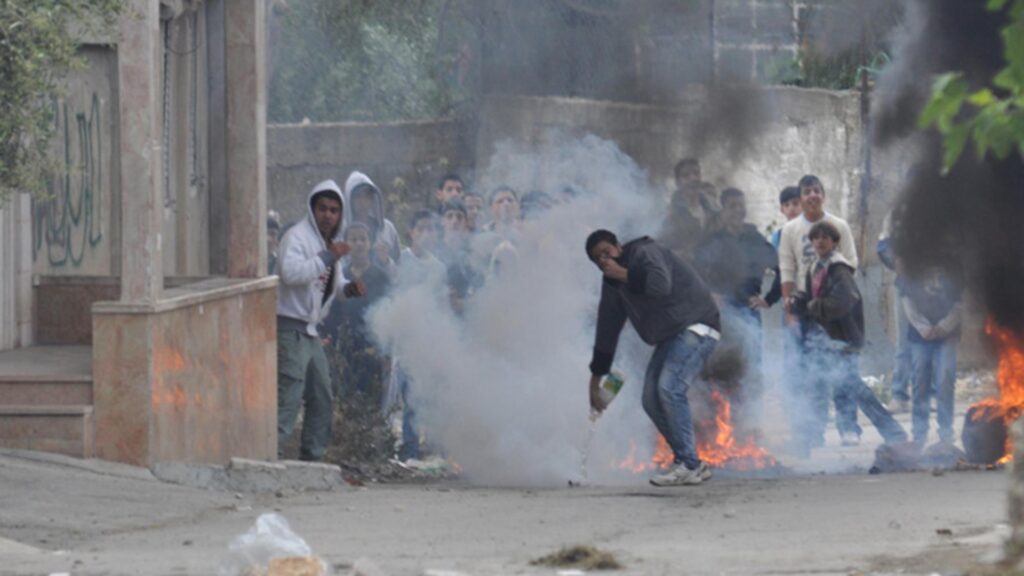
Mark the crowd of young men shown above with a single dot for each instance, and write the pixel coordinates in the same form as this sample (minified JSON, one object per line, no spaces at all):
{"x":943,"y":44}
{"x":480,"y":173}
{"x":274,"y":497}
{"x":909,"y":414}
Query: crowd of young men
{"x":696,"y":294}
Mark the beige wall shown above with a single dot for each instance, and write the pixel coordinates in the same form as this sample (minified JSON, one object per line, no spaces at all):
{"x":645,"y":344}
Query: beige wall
{"x":75,"y":229}
{"x":166,"y":378}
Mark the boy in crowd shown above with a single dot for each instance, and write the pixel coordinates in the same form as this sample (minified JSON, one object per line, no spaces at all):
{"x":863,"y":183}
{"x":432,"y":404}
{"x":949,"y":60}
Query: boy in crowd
{"x":901,"y":372}
{"x":732,"y":261}
{"x":366,"y":205}
{"x":796,"y":255}
{"x":419,"y":265}
{"x":692,"y":212}
{"x":474,"y":204}
{"x":449,"y":188}
{"x":832,"y":304}
{"x":454,"y":253}
{"x":932,"y":303}
{"x":364,"y":368}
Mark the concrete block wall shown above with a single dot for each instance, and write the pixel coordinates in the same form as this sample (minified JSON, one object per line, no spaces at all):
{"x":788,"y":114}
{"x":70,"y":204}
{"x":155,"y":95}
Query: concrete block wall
{"x":404,"y":159}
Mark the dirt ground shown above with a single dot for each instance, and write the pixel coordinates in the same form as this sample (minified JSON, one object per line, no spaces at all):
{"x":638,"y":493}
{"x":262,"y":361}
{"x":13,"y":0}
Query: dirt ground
{"x":108,"y":519}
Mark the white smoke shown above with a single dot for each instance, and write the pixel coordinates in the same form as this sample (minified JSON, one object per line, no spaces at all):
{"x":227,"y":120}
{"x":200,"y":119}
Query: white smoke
{"x":503,"y":390}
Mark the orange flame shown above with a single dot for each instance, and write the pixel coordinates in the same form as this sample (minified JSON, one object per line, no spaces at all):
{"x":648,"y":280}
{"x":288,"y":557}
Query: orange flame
{"x":719,"y":451}
{"x":1009,"y":402}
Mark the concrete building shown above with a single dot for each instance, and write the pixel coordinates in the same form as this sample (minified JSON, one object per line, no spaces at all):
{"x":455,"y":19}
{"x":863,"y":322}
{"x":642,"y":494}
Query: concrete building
{"x":134,"y":301}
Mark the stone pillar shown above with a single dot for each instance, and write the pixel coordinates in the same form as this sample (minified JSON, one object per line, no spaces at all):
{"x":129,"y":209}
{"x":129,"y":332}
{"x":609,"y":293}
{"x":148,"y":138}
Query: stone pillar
{"x":245,"y":141}
{"x":1014,"y":548}
{"x":138,"y":69}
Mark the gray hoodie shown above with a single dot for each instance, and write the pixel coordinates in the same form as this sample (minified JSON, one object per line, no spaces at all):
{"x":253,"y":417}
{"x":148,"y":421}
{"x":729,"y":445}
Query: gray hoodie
{"x":662,"y":297}
{"x":381,"y":229}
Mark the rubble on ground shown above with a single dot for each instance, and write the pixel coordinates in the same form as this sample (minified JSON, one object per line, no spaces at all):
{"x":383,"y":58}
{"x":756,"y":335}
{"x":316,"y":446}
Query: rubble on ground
{"x":579,"y":557}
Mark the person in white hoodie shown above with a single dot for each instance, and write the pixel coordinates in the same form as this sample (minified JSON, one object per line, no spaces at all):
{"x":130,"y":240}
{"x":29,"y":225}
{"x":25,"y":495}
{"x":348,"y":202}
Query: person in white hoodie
{"x":367,"y":206}
{"x":311,"y":278}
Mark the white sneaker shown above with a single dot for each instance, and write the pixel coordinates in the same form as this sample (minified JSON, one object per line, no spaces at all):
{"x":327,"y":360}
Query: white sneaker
{"x":683,"y":476}
{"x":849,"y":439}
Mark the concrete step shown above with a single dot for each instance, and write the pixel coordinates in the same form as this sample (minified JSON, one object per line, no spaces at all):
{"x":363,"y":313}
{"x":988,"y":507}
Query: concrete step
{"x":45,"y":390}
{"x":62,"y":429}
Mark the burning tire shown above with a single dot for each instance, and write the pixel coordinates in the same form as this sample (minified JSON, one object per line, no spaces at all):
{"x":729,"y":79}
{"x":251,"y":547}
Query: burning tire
{"x":984,"y":437}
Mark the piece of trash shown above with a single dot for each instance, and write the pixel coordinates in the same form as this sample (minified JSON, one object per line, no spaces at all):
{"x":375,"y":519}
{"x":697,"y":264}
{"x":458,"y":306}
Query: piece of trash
{"x":270,"y":548}
{"x":580,"y":557}
{"x":943,"y":531}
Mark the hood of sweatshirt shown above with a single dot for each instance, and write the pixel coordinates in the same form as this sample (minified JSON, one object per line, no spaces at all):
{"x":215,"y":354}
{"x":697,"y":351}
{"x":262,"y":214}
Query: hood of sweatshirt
{"x":835,"y":259}
{"x":357,"y":182}
{"x":330,"y":187}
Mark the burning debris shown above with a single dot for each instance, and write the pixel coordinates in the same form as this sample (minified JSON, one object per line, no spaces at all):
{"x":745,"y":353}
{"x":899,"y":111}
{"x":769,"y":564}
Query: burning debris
{"x":579,"y":557}
{"x":986,"y":435}
{"x":718,"y":443}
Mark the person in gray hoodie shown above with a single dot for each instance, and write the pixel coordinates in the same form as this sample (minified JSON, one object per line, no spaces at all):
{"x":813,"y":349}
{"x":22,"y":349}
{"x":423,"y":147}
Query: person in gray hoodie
{"x":366,"y":205}
{"x":672,"y":310}
{"x":311,"y":279}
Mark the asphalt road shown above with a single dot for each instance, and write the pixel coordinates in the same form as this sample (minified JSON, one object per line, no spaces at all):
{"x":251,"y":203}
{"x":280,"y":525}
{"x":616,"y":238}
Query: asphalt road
{"x":97,"y":518}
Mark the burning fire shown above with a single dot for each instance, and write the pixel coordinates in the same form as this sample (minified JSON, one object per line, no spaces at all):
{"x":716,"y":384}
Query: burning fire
{"x":1009,"y":403}
{"x":720,"y":450}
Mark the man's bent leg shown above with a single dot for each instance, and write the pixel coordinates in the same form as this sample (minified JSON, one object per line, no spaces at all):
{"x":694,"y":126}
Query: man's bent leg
{"x":687,"y":353}
{"x":866,"y":400}
{"x":319,"y":400}
{"x":292,"y":362}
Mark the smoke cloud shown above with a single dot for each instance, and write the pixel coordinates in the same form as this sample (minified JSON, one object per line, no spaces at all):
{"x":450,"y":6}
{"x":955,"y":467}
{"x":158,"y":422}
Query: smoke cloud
{"x":503,"y":389}
{"x":970,"y":219}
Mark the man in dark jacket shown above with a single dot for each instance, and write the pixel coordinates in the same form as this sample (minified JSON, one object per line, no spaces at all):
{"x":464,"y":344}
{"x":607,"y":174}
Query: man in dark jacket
{"x":733,"y":261}
{"x":835,"y":307}
{"x":672,"y":310}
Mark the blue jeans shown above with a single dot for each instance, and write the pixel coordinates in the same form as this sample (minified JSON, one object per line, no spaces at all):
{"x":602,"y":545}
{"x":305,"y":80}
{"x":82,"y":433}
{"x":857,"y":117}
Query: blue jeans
{"x":934,"y":372}
{"x":303,"y":378}
{"x":410,"y":435}
{"x":850,"y":393}
{"x":902,"y":371}
{"x":674,"y":365}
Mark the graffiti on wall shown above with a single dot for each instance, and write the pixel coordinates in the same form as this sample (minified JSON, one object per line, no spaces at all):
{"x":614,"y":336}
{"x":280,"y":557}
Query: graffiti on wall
{"x":68,"y":223}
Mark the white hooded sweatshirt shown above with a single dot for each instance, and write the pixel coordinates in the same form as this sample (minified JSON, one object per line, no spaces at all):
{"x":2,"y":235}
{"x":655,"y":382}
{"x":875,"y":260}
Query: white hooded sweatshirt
{"x":382,"y":229}
{"x":302,"y":268}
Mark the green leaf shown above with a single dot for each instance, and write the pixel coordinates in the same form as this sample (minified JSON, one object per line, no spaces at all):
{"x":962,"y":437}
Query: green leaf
{"x":981,"y":98}
{"x":1013,"y":49}
{"x":948,"y":93}
{"x":995,"y":5}
{"x":955,"y":140}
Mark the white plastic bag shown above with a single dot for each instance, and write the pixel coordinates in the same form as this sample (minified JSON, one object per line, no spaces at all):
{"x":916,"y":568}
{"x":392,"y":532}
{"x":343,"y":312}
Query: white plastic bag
{"x":270,"y":537}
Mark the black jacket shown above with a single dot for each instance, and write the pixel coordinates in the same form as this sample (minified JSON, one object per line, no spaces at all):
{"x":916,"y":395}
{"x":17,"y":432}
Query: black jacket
{"x":734,"y":266}
{"x":839,"y":309}
{"x":663,"y":296}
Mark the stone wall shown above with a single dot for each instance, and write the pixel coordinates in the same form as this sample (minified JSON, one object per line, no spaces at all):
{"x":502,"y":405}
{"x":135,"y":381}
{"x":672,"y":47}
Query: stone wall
{"x":802,"y":131}
{"x":405,"y":159}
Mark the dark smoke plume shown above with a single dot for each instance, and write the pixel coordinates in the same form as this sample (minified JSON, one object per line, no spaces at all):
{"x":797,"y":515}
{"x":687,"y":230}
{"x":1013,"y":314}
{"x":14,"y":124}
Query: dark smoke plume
{"x":973,"y":218}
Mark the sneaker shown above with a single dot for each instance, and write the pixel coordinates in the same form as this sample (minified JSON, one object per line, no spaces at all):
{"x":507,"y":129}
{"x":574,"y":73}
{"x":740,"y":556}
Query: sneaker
{"x":849,"y":438}
{"x":898,"y":406}
{"x":683,"y":476}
